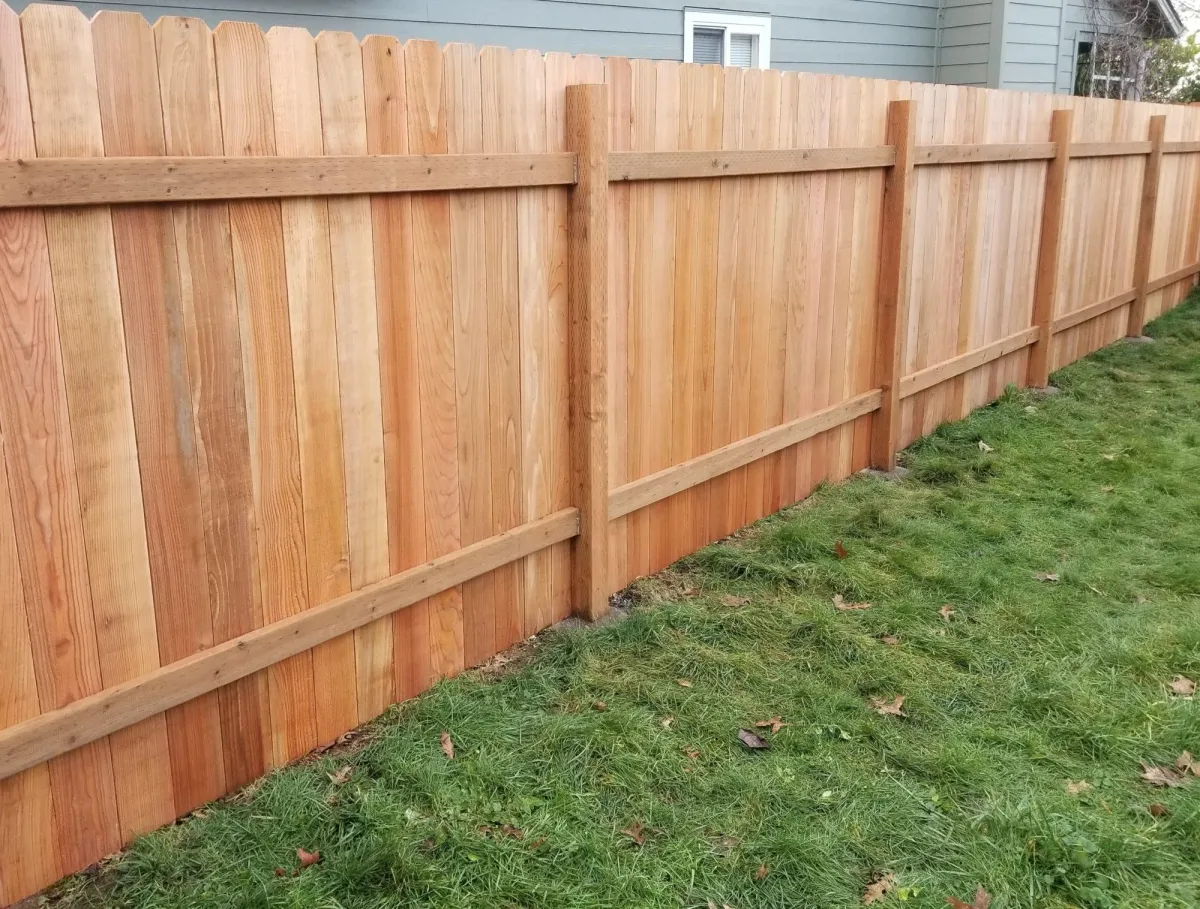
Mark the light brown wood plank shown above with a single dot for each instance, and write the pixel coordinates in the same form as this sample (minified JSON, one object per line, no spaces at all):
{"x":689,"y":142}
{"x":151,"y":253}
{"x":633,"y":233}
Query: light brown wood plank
{"x":344,"y":129}
{"x":1147,"y":214}
{"x":932,"y":376}
{"x":260,"y":278}
{"x":1108,"y":149}
{"x":66,"y":180}
{"x":1095,"y":311}
{"x":151,"y":305}
{"x":967,"y":153}
{"x":66,"y":119}
{"x":192,"y":126}
{"x":434,"y":302}
{"x":1180,"y":274}
{"x":30,"y":743}
{"x":1049,"y":247}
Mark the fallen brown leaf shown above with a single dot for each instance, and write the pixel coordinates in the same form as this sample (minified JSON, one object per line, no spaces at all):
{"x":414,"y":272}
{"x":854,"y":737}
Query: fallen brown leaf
{"x":684,"y":683}
{"x":341,"y":776}
{"x":774,"y":723}
{"x":1077,"y":788}
{"x":880,"y":887}
{"x":636,"y":832}
{"x":763,"y":871}
{"x":1157,"y":810}
{"x":1182,"y":686}
{"x":733,"y":602}
{"x":307,"y":858}
{"x":1162,"y":776}
{"x":1046,"y":576}
{"x":752,"y":741}
{"x":692,"y":753}
{"x":839,"y":550}
{"x":667,"y":721}
{"x":599,"y":706}
{"x":889,"y":708}
{"x":509,"y":830}
{"x":726,"y":844}
{"x":1186,"y":763}
{"x":890,"y":639}
{"x":540,"y":841}
{"x":982,"y":901}
{"x":985,"y":447}
{"x":447,"y":745}
{"x":842,"y":606}
{"x":279,"y":872}
{"x":946,"y":611}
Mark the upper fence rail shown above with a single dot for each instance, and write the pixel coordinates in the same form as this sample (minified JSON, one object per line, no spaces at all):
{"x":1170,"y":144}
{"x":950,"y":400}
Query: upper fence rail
{"x":59,"y":182}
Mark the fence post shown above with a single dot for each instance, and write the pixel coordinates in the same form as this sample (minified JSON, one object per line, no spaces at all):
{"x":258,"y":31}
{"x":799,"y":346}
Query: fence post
{"x":892,"y":303}
{"x":587,"y":137}
{"x":1046,"y":281}
{"x":1145,"y":234}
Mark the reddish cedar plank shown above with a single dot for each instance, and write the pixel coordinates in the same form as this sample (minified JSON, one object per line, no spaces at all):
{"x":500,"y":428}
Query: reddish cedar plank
{"x":66,"y":117}
{"x":192,"y":125}
{"x":244,"y":82}
{"x":468,"y":264}
{"x":343,"y":120}
{"x":434,"y":301}
{"x":297,"y":117}
{"x":144,"y":239}
{"x":391,"y":218}
{"x":497,"y":74}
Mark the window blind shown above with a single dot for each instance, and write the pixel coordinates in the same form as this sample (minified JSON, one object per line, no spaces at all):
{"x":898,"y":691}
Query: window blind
{"x":708,"y":45}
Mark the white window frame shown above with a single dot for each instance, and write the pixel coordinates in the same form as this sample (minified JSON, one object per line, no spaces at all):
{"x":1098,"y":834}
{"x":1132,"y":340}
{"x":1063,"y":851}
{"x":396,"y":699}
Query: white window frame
{"x":731,"y":23}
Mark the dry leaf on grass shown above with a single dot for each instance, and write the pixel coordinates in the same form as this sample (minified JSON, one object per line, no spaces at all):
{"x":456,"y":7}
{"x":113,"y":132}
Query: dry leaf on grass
{"x":684,"y":683}
{"x":307,"y":858}
{"x":774,"y":723}
{"x":842,"y":606}
{"x":763,"y":871}
{"x":733,"y":602}
{"x":447,"y":745}
{"x":1182,"y":686}
{"x":1157,"y":810}
{"x":890,"y":639}
{"x":341,"y":776}
{"x":946,"y":612}
{"x":880,"y":887}
{"x":1187,"y":764}
{"x":636,"y":832}
{"x":667,"y":721}
{"x":1162,"y":776}
{"x":725,"y":844}
{"x":692,"y":753}
{"x":599,"y":706}
{"x":889,"y":708}
{"x":1046,"y":576}
{"x":839,"y":550}
{"x":752,"y":741}
{"x":985,"y":447}
{"x":982,"y":901}
{"x":1079,"y":787}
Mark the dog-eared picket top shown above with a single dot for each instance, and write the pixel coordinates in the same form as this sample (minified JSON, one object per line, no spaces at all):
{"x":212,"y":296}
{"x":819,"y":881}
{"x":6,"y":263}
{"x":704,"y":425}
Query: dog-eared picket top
{"x":329,"y":368}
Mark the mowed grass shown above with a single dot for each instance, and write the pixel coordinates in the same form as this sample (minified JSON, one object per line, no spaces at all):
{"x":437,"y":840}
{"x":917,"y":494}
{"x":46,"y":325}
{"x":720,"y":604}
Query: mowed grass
{"x":1028,"y":686}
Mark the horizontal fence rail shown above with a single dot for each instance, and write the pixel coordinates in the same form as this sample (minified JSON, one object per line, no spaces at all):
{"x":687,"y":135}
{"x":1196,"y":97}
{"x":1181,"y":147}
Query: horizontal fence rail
{"x":331,"y":368}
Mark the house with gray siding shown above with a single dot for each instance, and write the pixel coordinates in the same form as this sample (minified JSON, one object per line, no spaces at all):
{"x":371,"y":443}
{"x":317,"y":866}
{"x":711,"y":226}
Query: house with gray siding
{"x":1019,"y":44}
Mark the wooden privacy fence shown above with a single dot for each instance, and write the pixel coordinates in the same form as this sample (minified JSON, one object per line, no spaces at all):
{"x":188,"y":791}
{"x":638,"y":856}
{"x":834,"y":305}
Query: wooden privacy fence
{"x":328,"y":369}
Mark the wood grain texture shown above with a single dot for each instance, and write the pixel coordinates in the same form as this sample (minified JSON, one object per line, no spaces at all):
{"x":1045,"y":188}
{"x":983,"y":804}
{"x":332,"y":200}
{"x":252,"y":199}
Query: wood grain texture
{"x":307,"y":259}
{"x":66,"y":120}
{"x":156,"y":346}
{"x":392,"y":228}
{"x":32,"y":742}
{"x":497,"y":86}
{"x":1146,"y":220}
{"x":261,"y":283}
{"x":344,"y":130}
{"x":70,"y":180}
{"x":468,"y":265}
{"x":192,"y":126}
{"x":1049,"y":248}
{"x":434,"y":302}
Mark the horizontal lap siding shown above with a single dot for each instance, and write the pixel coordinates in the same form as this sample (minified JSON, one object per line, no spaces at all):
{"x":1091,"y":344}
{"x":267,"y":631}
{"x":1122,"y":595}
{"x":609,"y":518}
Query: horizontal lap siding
{"x":963,"y":46}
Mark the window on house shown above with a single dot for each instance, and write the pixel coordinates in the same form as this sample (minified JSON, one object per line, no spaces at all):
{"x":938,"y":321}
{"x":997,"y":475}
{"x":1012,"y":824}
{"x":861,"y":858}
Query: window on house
{"x":728,"y":39}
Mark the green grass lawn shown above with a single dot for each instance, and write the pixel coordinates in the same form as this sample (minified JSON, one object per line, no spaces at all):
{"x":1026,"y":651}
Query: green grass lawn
{"x":592,"y":740}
